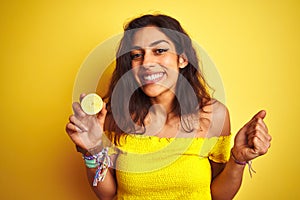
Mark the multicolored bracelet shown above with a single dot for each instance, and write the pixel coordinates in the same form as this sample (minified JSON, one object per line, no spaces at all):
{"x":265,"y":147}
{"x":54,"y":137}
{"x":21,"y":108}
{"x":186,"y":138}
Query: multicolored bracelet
{"x":101,"y":161}
{"x":90,"y":161}
{"x":249,"y":163}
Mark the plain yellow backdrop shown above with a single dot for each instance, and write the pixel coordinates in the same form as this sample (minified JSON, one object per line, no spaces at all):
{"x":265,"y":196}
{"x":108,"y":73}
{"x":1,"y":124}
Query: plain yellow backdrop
{"x":254,"y":44}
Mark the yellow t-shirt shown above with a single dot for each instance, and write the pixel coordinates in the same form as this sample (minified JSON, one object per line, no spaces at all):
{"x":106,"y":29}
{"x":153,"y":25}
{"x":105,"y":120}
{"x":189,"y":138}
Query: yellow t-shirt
{"x":149,"y":167}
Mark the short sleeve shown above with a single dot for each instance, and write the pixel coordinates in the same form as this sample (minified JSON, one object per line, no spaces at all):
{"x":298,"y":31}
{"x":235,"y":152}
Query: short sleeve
{"x":220,"y":152}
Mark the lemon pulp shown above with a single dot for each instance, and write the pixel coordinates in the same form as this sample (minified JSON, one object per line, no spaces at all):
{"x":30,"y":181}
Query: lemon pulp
{"x":92,"y":104}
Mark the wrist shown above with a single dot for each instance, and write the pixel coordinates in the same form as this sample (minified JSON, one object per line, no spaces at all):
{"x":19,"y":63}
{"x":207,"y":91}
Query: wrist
{"x":90,"y":151}
{"x":234,"y":158}
{"x":96,"y":149}
{"x":238,"y":155}
{"x":241,"y":162}
{"x":101,"y":162}
{"x":82,"y":150}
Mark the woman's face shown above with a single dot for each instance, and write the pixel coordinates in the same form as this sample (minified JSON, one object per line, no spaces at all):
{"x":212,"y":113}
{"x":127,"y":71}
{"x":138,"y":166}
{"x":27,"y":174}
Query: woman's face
{"x":155,"y":62}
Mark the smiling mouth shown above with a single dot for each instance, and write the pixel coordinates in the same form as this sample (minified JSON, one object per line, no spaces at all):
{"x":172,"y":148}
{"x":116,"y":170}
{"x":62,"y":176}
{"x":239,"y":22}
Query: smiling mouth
{"x":152,"y":78}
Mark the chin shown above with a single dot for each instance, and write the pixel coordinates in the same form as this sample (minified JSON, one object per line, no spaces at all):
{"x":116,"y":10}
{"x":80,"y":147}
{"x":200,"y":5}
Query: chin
{"x":151,"y":94}
{"x":154,"y":90}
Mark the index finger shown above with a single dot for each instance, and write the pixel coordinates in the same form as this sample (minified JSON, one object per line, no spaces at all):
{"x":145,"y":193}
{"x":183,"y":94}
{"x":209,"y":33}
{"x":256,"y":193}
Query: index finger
{"x":263,"y":124}
{"x":78,"y":112}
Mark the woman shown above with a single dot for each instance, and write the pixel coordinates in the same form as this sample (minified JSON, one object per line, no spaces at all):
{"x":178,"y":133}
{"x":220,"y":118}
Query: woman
{"x":170,"y":139}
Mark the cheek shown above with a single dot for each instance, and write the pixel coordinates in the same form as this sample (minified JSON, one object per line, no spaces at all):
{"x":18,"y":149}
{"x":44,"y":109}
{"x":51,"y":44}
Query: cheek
{"x":170,"y":62}
{"x":135,"y":64}
{"x":135,"y":72}
{"x":135,"y":67}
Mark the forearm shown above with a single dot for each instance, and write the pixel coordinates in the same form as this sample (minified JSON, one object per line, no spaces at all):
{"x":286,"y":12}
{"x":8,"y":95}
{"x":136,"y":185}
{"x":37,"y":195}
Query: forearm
{"x":227,"y":183}
{"x":105,"y":190}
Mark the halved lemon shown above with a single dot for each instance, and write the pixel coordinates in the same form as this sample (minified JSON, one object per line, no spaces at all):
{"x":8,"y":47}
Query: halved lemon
{"x":91,"y":104}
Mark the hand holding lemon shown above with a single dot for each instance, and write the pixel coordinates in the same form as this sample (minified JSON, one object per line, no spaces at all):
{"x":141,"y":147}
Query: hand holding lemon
{"x":86,"y":124}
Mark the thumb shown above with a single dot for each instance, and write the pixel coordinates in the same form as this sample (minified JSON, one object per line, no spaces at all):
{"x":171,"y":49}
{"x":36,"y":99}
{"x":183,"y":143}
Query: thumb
{"x":82,"y":96}
{"x":102,"y":114}
{"x":261,"y":114}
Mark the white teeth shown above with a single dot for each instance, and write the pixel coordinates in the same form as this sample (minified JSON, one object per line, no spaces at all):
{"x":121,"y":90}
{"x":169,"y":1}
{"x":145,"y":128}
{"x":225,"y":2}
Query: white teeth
{"x":153,"y":77}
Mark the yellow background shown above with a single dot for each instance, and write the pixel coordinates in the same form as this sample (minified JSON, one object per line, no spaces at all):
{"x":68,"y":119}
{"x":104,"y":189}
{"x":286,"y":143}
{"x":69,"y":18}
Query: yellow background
{"x":254,"y":44}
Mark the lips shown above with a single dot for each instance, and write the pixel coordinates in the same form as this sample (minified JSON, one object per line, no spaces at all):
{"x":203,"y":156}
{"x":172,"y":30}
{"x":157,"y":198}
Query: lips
{"x":152,"y":77}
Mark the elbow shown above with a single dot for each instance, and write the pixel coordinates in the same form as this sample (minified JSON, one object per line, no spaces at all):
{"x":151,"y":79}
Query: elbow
{"x":106,"y":196}
{"x":222,"y":195}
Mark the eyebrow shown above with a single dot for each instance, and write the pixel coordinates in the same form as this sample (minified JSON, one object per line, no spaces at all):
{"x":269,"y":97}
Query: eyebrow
{"x":152,"y":44}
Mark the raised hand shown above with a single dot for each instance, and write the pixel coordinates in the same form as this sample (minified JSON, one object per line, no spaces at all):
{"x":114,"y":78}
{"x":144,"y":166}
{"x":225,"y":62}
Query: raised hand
{"x":86,"y":130}
{"x":253,"y":139}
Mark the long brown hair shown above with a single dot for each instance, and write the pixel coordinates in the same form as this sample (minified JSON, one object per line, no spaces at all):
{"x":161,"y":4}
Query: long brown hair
{"x":130,"y":98}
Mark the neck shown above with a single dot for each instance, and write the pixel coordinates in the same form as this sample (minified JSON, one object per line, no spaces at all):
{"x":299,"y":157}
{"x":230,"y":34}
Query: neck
{"x":166,"y":101}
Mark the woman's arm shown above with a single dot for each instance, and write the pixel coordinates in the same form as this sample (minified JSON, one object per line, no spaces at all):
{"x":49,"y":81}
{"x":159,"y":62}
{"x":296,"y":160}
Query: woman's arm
{"x":86,"y":131}
{"x":227,"y":183}
{"x":105,"y":190}
{"x":251,"y":141}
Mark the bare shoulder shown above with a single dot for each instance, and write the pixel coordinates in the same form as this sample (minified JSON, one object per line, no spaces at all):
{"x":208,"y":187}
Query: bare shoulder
{"x":219,"y":110}
{"x":220,"y":120}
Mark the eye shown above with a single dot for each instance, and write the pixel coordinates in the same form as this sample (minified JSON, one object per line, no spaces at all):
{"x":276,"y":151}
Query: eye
{"x":136,"y":56}
{"x":160,"y":51}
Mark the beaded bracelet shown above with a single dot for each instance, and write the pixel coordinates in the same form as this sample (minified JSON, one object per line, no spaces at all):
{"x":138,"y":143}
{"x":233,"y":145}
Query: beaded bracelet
{"x":249,"y":163}
{"x":90,"y":161}
{"x":101,"y":161}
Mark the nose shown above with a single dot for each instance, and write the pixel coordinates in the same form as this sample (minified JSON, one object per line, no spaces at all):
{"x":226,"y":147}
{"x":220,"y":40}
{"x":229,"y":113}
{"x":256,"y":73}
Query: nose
{"x":148,"y":59}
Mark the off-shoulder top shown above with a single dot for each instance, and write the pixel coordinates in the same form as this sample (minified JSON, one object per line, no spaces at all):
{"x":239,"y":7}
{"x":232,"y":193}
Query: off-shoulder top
{"x":149,"y":167}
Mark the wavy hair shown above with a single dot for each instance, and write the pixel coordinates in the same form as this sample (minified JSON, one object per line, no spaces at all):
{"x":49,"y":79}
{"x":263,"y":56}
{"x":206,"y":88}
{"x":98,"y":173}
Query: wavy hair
{"x":130,"y":97}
